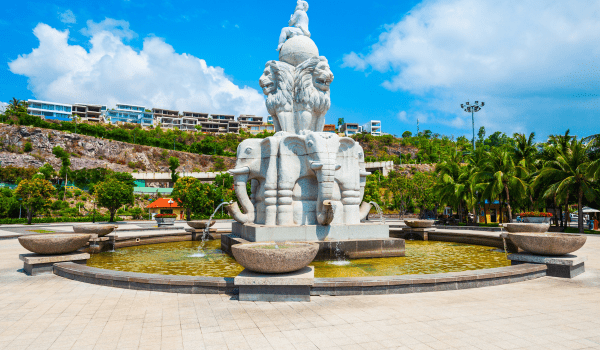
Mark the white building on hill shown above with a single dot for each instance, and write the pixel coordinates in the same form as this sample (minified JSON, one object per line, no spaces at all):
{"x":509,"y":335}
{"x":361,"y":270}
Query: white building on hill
{"x":373,"y":127}
{"x":50,"y":110}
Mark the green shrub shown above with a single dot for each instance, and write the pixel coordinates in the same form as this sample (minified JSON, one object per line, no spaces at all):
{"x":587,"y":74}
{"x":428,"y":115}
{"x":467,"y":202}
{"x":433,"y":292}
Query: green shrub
{"x":47,"y":220}
{"x":27,"y":147}
{"x":57,"y":205}
{"x":77,"y":193}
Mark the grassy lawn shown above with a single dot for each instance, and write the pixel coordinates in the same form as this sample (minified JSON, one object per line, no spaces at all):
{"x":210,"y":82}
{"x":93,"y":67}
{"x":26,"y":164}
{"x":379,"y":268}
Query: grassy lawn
{"x":41,"y":231}
{"x":574,"y":230}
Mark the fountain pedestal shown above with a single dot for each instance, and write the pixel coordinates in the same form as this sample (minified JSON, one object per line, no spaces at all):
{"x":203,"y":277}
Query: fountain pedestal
{"x":291,"y":286}
{"x":198,"y":233}
{"x":332,"y":249}
{"x":35,"y":264}
{"x":419,"y":233}
{"x":263,"y":233}
{"x":566,"y":266}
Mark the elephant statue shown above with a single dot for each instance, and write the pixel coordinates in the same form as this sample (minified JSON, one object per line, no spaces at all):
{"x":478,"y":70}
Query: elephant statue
{"x":351,"y":182}
{"x":308,"y":161}
{"x":256,"y":162}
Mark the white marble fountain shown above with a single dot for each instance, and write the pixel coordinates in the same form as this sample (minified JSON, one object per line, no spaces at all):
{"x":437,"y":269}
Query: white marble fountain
{"x":307,"y":185}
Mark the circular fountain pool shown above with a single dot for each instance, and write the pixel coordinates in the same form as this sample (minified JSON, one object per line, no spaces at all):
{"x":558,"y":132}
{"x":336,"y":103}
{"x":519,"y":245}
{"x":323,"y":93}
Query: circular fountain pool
{"x":183,"y":258}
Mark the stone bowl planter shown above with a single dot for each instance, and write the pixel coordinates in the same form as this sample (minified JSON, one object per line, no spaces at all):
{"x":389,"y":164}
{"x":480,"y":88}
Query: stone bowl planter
{"x":263,"y":257}
{"x":96,"y":229}
{"x":548,"y":243}
{"x":419,"y":223}
{"x":165,"y":221}
{"x":526,"y":227}
{"x":53,"y":244}
{"x":536,"y":219}
{"x":200,"y":224}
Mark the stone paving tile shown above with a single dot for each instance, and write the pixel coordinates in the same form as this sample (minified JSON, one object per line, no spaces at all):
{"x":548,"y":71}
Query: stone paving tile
{"x":50,"y":312}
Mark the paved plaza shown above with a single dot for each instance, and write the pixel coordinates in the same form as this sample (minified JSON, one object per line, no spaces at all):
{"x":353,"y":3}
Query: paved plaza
{"x":50,"y":312}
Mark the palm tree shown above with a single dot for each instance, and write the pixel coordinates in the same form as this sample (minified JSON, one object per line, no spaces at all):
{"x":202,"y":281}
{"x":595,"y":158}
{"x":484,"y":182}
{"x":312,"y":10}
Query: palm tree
{"x":524,"y":148}
{"x":14,"y":103}
{"x":570,"y":173}
{"x":594,"y":145}
{"x":454,"y":186}
{"x":498,"y":169}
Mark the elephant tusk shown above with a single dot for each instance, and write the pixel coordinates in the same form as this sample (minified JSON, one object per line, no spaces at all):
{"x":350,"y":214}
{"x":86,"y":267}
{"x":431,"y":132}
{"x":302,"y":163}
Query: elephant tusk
{"x":239,"y":171}
{"x":364,"y":173}
{"x":316,"y":166}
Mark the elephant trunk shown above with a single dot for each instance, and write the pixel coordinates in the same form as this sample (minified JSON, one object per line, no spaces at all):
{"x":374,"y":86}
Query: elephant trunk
{"x":240,"y":178}
{"x":325,"y":177}
{"x":364,"y":210}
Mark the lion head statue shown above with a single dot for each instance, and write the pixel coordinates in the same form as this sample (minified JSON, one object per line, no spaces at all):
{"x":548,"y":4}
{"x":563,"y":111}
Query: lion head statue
{"x":277,"y":82}
{"x":311,"y":89}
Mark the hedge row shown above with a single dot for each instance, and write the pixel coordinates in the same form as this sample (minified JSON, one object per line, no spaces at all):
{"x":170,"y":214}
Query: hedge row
{"x":57,"y":219}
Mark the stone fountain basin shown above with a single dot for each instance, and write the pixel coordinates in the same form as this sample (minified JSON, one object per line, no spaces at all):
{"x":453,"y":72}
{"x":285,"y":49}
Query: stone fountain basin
{"x":419,"y":223}
{"x":95,"y":229}
{"x":526,"y":227}
{"x":548,"y":243}
{"x":263,"y":258}
{"x":52,"y":244}
{"x":200,"y":224}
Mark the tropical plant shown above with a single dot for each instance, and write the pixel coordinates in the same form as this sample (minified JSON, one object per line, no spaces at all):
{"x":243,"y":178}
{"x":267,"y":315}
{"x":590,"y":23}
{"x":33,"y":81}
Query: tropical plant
{"x":35,"y":195}
{"x":8,"y":202}
{"x":173,"y":165}
{"x":64,"y":157}
{"x":501,"y":175}
{"x":112,"y":194}
{"x":570,"y":173}
{"x":451,"y":187}
{"x":192,"y":194}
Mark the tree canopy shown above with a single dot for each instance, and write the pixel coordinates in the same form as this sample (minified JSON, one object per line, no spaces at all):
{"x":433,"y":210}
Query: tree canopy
{"x":113,"y":194}
{"x":34,"y":194}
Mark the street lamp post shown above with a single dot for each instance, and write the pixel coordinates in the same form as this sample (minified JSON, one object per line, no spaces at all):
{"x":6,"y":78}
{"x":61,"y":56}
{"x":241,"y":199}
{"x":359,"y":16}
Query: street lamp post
{"x":476,"y":107}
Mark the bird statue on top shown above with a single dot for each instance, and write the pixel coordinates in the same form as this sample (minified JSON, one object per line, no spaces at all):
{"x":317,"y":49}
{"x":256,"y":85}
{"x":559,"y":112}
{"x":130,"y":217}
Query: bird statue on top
{"x":298,"y":24}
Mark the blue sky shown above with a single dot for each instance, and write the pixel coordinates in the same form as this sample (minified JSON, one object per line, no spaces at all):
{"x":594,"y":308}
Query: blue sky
{"x":536,"y":64}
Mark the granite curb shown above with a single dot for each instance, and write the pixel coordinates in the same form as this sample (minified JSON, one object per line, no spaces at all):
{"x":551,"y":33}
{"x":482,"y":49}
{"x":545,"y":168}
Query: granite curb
{"x":322,"y":286}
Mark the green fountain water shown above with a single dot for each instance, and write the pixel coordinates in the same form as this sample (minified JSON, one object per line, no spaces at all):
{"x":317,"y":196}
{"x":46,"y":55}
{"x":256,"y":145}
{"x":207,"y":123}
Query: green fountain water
{"x":178,"y":258}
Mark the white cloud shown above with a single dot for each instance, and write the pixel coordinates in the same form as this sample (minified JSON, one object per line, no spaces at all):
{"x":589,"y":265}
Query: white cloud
{"x":112,"y":72}
{"x":403,"y":116}
{"x":3,"y":106}
{"x":67,"y":17}
{"x":513,"y":54}
{"x":118,"y":28}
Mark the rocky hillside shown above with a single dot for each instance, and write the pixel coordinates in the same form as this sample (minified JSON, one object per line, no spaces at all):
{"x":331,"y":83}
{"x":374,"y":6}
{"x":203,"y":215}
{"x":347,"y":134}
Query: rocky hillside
{"x":384,"y":146}
{"x":92,"y":152}
{"x":409,"y":169}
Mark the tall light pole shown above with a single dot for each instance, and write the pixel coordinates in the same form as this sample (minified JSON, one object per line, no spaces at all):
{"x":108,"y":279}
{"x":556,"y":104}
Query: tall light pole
{"x":476,"y":107}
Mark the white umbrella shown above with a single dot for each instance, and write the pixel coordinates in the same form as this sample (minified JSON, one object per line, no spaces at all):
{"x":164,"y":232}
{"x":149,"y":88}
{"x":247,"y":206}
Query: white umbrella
{"x":587,"y":210}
